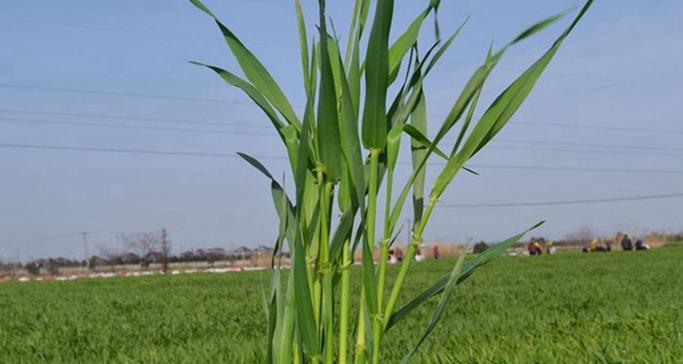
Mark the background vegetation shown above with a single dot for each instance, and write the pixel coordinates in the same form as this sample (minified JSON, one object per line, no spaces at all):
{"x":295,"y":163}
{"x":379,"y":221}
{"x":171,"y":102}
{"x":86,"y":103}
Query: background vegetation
{"x":598,"y":308}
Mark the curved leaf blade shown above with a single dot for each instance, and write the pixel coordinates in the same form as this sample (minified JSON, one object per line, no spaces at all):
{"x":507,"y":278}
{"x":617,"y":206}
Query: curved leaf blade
{"x":377,"y":77}
{"x":468,"y":269}
{"x":254,"y":70}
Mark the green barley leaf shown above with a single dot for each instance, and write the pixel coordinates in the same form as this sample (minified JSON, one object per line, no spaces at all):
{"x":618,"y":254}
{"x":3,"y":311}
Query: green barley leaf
{"x":272,"y":312}
{"x":500,"y":111}
{"x":254,"y":70}
{"x":419,"y":123}
{"x":283,"y":205}
{"x":440,"y":308}
{"x":348,"y":128}
{"x":468,"y":269}
{"x":304,"y":154}
{"x":422,"y":140}
{"x":251,"y":91}
{"x":393,"y":147}
{"x":468,"y":121}
{"x":285,"y":335}
{"x":476,"y":81}
{"x":444,"y":47}
{"x":369,"y":280}
{"x":328,"y":125}
{"x":540,"y":26}
{"x":505,"y":105}
{"x":399,"y":114}
{"x":256,"y":164}
{"x":291,"y":138}
{"x":352,"y":58}
{"x":341,"y":234}
{"x":404,"y":43}
{"x":304,"y":307}
{"x":374,"y":128}
{"x":303,"y":44}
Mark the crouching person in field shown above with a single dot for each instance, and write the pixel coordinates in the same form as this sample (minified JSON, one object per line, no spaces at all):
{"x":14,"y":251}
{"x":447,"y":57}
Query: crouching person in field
{"x":641,"y":246}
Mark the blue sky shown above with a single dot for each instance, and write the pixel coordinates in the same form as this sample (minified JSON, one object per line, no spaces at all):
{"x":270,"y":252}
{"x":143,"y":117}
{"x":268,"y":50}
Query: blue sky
{"x":620,"y":69}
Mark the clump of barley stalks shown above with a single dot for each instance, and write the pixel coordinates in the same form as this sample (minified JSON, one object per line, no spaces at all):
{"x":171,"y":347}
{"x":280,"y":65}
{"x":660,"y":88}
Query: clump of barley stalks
{"x":342,"y":149}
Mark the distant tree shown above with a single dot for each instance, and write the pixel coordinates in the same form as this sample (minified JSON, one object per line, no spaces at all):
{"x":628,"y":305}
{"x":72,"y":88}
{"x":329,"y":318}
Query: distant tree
{"x":186,"y":256}
{"x":211,"y":259}
{"x":128,"y":258}
{"x":142,"y":244}
{"x":108,"y":255}
{"x":199,"y":255}
{"x":96,"y":261}
{"x":52,"y":266}
{"x":33,"y":268}
{"x":480,"y":247}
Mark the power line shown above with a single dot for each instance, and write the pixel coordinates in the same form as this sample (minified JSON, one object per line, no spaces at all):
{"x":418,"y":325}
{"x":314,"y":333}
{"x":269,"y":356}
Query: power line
{"x":599,"y":127}
{"x":47,"y":239}
{"x":134,"y":127}
{"x":567,"y":202}
{"x":610,"y":146}
{"x":624,"y":149}
{"x":54,"y":237}
{"x":587,"y":151}
{"x":128,"y":151}
{"x":145,"y":31}
{"x":611,"y":128}
{"x":124,"y":94}
{"x":577,"y":169}
{"x":266,"y":157}
{"x":134,"y":118}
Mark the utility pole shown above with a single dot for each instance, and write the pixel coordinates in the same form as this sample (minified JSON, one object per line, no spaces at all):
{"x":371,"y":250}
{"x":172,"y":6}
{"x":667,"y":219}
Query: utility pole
{"x":165,"y":250}
{"x":85,"y":249}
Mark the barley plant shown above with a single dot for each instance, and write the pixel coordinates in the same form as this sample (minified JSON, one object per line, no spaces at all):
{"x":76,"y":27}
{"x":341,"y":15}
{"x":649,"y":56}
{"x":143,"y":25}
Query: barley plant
{"x":342,"y":149}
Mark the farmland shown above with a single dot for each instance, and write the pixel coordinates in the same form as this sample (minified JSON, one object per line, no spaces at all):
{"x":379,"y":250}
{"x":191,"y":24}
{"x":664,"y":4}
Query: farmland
{"x":607,"y":308}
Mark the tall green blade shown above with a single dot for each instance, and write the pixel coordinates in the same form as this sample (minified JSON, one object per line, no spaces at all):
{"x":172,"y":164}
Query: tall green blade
{"x":440,"y":308}
{"x":303,"y":45}
{"x":272,"y":313}
{"x":420,"y":139}
{"x":251,"y":91}
{"x":282,"y":203}
{"x":328,"y":124}
{"x":418,"y":152}
{"x":466,"y":124}
{"x":352,"y":59}
{"x":304,"y":155}
{"x":468,"y":268}
{"x":348,"y":128}
{"x":377,"y":77}
{"x":404,"y":42}
{"x":285,"y":340}
{"x":505,"y":105}
{"x":476,"y":81}
{"x":401,"y":108}
{"x":254,"y":70}
{"x":502,"y":108}
{"x":304,"y":307}
{"x":393,"y":147}
{"x":341,"y":234}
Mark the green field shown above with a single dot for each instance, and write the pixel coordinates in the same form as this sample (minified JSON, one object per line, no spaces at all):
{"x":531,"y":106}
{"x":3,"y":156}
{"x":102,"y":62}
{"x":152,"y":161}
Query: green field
{"x":570,"y":308}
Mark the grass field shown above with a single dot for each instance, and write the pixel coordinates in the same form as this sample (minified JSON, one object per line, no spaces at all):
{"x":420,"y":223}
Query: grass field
{"x":569,"y":308}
